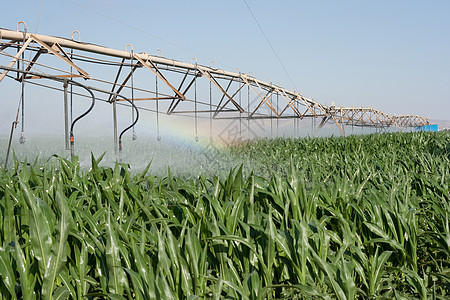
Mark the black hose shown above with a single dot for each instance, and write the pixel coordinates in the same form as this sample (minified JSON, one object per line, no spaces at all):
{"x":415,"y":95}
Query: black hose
{"x":90,"y":107}
{"x":72,"y":152}
{"x":129,"y":127}
{"x":89,"y":89}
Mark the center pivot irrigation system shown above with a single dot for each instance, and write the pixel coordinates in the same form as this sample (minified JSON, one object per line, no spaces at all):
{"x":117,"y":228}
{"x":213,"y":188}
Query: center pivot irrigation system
{"x":172,"y":87}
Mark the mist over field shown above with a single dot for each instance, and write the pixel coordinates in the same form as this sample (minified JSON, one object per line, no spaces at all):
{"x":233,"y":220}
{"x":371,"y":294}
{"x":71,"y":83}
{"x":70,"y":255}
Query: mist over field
{"x":356,"y":217}
{"x":182,"y":152}
{"x":181,"y":158}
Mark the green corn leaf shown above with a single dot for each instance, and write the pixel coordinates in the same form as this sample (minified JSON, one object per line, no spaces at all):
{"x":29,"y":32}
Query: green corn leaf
{"x":58,"y":255}
{"x":164,"y":288}
{"x":377,"y":267}
{"x":417,"y":282}
{"x":138,"y":284}
{"x":270,"y":249}
{"x":41,"y":238}
{"x":8,"y":219}
{"x":23,"y":268}
{"x":115,"y":296}
{"x":309,"y":290}
{"x":145,"y":272}
{"x":81,"y":257}
{"x":61,"y":293}
{"x":331,"y":275}
{"x":116,"y":274}
{"x":7,"y":273}
{"x":194,"y":249}
{"x":384,"y":237}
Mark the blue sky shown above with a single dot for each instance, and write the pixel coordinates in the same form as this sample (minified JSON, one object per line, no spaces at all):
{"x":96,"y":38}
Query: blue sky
{"x":390,"y":55}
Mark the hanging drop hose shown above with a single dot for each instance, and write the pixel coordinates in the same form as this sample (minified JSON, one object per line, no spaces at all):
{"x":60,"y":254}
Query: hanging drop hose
{"x":210,"y":113}
{"x":132,"y":90}
{"x":240,"y":104}
{"x":9,"y":143}
{"x":278,"y":119}
{"x":22,"y":133}
{"x":271,"y":112}
{"x":131,"y":126}
{"x":21,"y":104}
{"x":195,"y":108}
{"x":14,"y":124}
{"x":71,"y":72}
{"x":158,"y":137}
{"x":248,"y":108}
{"x":71,"y":89}
{"x":72,"y":151}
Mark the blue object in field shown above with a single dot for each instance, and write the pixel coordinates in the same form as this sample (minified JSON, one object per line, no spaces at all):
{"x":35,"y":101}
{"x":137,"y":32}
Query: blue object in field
{"x":433,"y":128}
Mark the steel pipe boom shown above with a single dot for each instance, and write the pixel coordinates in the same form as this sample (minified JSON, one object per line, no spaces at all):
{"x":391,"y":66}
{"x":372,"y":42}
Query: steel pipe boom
{"x":160,"y":66}
{"x":63,"y":42}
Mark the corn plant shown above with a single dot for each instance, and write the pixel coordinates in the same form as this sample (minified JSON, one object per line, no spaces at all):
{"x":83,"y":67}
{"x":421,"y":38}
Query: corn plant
{"x":329,"y":218}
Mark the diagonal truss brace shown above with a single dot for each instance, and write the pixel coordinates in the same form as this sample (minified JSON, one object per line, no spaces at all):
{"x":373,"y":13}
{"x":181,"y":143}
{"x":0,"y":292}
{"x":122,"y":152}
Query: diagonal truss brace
{"x":289,"y":104}
{"x":10,"y":44}
{"x":124,"y":82}
{"x":266,"y":97}
{"x":223,"y":97}
{"x":174,"y":98}
{"x":264,"y":100}
{"x":16,"y":57}
{"x":174,"y":105}
{"x":33,"y":38}
{"x":110,"y":98}
{"x":337,"y":124}
{"x":64,"y":58}
{"x":214,"y":81}
{"x":331,"y":115}
{"x":393,"y":120}
{"x":32,"y":62}
{"x":152,"y":67}
{"x":219,"y":109}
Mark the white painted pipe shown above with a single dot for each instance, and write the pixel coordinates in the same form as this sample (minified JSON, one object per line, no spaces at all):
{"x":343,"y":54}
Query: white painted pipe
{"x":68,"y":43}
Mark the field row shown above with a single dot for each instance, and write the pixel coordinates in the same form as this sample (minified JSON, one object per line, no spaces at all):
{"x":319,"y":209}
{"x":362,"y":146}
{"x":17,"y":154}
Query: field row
{"x":357,"y":217}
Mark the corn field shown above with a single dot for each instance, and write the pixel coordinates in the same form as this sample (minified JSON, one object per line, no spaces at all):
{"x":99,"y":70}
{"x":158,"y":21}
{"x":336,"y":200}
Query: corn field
{"x":330,"y":218}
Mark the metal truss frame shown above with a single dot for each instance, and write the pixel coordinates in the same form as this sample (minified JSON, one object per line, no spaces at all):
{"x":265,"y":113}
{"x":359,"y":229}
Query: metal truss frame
{"x":228,"y":85}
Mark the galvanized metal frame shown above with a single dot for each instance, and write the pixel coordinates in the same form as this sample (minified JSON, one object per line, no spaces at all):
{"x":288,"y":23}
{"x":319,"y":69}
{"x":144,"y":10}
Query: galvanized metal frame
{"x":162,"y":68}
